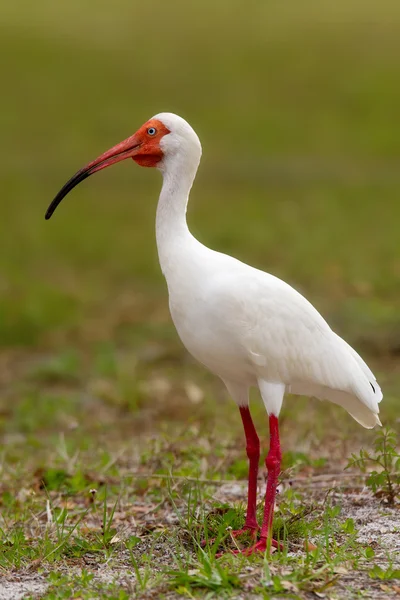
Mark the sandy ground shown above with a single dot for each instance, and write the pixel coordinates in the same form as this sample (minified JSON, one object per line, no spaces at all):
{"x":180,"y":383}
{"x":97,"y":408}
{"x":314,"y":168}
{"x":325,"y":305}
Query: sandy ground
{"x":378,"y":526}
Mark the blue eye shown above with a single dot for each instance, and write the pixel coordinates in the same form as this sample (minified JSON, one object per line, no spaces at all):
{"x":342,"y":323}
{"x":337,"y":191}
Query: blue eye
{"x":152,"y":131}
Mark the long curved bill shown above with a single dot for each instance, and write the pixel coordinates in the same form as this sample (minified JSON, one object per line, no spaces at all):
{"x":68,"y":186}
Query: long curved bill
{"x":126,"y":149}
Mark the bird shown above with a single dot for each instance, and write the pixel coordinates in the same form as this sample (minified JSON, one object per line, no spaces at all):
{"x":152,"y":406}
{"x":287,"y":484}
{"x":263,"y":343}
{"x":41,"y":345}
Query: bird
{"x":248,"y":327}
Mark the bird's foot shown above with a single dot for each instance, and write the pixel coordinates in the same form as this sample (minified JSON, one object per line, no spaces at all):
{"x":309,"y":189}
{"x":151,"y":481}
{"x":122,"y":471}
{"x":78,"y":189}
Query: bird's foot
{"x":260,"y":546}
{"x":246,"y":530}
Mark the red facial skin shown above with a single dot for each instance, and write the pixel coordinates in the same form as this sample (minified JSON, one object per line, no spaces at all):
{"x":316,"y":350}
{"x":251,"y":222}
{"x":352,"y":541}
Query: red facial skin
{"x":149,"y":153}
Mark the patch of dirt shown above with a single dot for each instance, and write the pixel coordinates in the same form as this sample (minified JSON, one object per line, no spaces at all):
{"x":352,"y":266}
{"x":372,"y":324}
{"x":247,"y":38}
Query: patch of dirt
{"x":21,"y":586}
{"x":378,"y":526}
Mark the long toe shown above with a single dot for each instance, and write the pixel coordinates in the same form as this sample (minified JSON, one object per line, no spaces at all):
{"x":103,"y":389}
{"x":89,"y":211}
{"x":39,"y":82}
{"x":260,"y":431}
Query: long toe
{"x":260,"y":546}
{"x":246,"y":530}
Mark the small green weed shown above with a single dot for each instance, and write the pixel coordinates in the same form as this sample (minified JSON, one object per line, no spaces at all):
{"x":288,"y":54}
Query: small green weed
{"x":59,"y":479}
{"x":384,"y":574}
{"x":145,"y":574}
{"x":385,"y":480}
{"x":290,"y":521}
{"x":206,"y":573}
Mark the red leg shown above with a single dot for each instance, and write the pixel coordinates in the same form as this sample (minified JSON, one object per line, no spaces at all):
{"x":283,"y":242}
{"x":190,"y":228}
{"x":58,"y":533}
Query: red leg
{"x":273,"y":463}
{"x":253,"y":454}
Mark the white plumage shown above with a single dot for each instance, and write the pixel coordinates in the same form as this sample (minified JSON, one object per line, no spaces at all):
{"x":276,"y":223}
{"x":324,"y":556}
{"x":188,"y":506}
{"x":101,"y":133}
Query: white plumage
{"x":248,"y":327}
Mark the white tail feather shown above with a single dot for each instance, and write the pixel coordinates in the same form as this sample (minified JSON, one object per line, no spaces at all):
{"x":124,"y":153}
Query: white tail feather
{"x":362,"y":398}
{"x":354,"y":406}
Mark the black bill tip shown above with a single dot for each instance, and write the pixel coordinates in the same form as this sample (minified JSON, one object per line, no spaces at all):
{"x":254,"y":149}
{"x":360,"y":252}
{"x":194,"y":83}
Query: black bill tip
{"x":77,"y":178}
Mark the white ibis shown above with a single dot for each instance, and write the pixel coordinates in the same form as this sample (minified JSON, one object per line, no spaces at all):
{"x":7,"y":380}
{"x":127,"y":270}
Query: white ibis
{"x":246,"y":326}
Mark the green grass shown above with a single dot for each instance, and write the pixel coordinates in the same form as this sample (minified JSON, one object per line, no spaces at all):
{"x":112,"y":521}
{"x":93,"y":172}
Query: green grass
{"x":106,"y":424}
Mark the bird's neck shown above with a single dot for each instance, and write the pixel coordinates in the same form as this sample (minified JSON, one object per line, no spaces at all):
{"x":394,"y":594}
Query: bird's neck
{"x":172,"y":233}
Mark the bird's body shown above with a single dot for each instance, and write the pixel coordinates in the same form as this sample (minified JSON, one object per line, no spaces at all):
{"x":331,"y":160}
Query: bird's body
{"x":248,"y":327}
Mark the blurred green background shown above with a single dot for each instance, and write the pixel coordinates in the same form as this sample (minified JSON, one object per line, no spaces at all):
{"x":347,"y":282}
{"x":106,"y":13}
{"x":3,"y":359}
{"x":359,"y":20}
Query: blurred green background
{"x":297,"y":107}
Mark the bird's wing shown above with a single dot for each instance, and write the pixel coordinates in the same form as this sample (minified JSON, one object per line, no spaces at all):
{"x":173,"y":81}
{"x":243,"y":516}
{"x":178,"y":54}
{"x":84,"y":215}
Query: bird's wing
{"x":286,"y":338}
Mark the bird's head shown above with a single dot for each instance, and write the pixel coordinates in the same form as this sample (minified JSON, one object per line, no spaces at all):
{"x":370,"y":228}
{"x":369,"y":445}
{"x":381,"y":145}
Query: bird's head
{"x":164,"y":140}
